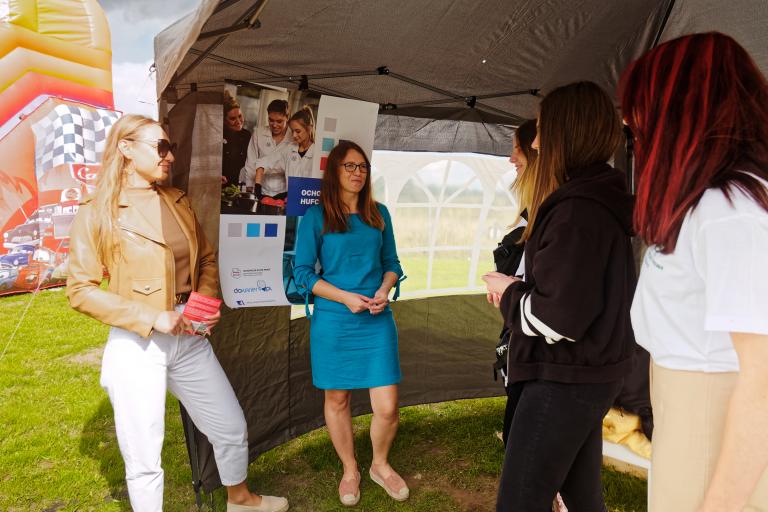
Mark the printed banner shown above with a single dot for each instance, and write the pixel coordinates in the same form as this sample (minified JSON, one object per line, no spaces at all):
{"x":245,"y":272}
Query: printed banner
{"x":251,"y":260}
{"x":279,"y":168}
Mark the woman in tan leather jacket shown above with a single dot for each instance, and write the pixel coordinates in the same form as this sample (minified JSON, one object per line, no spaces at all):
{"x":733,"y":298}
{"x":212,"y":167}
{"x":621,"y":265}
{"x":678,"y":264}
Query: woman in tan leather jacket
{"x":148,"y":240}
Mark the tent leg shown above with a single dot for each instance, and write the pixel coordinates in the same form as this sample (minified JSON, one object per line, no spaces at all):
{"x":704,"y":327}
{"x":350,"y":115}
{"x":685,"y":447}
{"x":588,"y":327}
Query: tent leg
{"x":194,"y":461}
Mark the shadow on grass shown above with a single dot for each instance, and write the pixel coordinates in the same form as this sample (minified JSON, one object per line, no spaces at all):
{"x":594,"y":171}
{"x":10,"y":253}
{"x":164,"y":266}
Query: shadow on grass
{"x":99,"y":442}
{"x":448,"y":454}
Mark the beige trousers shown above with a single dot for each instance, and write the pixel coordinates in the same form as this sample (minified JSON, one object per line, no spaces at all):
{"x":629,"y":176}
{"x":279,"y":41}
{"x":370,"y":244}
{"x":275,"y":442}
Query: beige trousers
{"x":689,"y":410}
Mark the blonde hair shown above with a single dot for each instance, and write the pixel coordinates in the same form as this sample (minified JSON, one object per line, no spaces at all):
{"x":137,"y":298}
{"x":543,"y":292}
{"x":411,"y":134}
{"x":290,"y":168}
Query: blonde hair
{"x":523,"y":187}
{"x":110,"y":183}
{"x":307,"y":118}
{"x":578,"y":127}
{"x":229,"y":102}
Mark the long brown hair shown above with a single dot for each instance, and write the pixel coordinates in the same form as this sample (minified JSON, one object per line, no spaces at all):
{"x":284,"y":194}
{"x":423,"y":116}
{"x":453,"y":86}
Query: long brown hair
{"x":524,"y":135}
{"x":698,"y":106}
{"x":110,"y":183}
{"x":335,"y":214}
{"x":578,"y":127}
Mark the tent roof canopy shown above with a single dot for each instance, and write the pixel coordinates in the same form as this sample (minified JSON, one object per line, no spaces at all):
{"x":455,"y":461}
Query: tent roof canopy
{"x":436,"y":59}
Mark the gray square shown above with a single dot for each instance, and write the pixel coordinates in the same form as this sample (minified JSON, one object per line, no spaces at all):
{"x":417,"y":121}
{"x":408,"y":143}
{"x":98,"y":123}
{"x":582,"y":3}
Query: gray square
{"x":329,"y":124}
{"x":235,"y":230}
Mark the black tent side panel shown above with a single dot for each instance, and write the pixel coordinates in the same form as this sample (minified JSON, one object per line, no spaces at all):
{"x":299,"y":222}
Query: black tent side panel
{"x":446,"y":353}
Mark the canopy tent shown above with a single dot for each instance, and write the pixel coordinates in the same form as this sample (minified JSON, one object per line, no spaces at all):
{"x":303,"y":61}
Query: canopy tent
{"x":444,"y":68}
{"x":449,"y":76}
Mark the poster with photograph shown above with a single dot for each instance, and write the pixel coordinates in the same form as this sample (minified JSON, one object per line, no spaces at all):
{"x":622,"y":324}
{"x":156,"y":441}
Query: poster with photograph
{"x":281,"y":158}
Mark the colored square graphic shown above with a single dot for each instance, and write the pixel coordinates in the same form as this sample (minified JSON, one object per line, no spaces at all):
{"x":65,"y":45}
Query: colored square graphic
{"x":270,"y":230}
{"x":323,"y":162}
{"x":328,"y":144}
{"x":234,"y":230}
{"x":329,"y":124}
{"x":253,"y":230}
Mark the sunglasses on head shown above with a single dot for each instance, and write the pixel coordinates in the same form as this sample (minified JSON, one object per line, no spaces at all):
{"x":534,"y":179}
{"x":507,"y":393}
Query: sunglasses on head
{"x":163,"y":146}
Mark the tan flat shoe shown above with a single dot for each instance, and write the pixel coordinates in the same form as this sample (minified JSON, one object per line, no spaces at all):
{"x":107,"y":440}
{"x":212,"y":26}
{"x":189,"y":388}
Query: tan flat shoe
{"x":394,"y":485}
{"x":349,"y":490}
{"x":268,"y":504}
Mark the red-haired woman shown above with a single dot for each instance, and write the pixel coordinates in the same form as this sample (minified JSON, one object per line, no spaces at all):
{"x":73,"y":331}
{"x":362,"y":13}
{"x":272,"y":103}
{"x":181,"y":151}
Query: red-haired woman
{"x":698,"y":106}
{"x":353,"y":337}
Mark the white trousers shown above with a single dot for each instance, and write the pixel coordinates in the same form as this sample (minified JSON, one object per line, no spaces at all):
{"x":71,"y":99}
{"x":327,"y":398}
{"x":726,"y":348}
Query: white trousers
{"x":136,"y":372}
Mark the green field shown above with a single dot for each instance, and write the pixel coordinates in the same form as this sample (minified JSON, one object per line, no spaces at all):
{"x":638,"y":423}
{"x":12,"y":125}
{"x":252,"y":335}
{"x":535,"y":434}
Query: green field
{"x":58,"y":450}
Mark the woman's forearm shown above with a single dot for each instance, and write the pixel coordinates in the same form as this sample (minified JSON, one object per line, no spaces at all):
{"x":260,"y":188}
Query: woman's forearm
{"x":744,"y":454}
{"x":326,"y":290}
{"x":259,"y":177}
{"x":388,"y":281}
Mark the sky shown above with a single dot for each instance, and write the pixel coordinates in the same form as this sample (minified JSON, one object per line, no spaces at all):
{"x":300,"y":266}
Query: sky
{"x":133,"y":25}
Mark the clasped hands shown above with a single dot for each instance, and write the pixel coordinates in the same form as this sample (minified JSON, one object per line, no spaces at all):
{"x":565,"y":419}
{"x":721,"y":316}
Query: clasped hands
{"x":497,"y":283}
{"x":358,"y":303}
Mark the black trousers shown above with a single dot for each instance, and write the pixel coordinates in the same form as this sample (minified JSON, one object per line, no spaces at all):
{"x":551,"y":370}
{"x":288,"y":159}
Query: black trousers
{"x":555,"y":444}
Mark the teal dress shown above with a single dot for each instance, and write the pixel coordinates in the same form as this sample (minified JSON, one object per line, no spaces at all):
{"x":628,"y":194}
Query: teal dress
{"x":348,"y":350}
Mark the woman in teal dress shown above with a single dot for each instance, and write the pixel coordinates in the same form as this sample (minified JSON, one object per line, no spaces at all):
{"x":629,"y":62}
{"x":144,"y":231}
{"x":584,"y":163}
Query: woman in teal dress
{"x":353,"y":338}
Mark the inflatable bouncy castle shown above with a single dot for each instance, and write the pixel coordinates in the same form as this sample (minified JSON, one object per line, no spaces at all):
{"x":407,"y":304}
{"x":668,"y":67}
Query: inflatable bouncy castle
{"x":56,"y":107}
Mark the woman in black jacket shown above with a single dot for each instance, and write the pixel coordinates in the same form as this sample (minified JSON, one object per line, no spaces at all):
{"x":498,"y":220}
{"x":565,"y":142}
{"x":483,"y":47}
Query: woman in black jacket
{"x":572,"y":340}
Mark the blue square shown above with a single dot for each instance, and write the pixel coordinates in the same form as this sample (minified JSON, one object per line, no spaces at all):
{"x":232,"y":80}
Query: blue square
{"x":328,"y":144}
{"x":270,"y":230}
{"x":253,"y":230}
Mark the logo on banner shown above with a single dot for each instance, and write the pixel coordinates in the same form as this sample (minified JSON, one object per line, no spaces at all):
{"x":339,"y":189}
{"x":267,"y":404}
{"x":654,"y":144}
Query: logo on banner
{"x":85,"y":173}
{"x":235,"y":273}
{"x":261,"y":286}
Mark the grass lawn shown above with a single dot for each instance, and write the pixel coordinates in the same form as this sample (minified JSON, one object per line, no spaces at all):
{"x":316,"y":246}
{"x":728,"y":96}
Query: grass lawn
{"x":58,"y":450}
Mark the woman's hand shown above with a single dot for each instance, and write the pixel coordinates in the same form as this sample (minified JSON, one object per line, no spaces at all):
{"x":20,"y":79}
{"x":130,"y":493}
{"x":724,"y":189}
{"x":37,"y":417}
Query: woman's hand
{"x":213,"y":320}
{"x":171,"y":322}
{"x":379,"y":302}
{"x":357,"y":303}
{"x":493,"y":298}
{"x":497,"y":283}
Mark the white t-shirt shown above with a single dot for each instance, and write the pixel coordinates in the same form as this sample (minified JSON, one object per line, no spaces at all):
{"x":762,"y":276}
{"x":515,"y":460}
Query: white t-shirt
{"x":714,"y":283}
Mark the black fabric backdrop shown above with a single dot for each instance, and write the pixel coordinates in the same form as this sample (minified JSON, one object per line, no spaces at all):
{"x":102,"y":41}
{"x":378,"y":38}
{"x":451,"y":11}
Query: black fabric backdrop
{"x":446,"y":353}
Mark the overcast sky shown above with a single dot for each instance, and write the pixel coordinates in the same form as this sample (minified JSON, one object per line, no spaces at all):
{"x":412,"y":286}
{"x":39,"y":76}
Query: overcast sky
{"x":134,"y":24}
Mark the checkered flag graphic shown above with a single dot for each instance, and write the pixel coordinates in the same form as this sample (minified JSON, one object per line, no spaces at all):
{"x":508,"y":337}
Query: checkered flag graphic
{"x":71,"y":134}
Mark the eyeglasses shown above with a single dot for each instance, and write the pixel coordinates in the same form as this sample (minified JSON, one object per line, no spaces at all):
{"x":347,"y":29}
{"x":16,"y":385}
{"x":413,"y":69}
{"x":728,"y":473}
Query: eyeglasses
{"x":350,"y":167}
{"x":163,"y":146}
